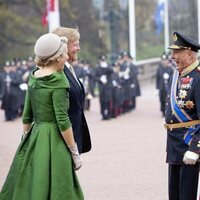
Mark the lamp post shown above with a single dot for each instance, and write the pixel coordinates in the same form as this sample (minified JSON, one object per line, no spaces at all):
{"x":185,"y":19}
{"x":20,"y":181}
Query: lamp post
{"x":112,"y":18}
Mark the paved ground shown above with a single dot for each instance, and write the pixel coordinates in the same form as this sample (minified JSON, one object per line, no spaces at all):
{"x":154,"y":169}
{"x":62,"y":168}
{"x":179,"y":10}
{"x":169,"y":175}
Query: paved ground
{"x":127,"y":161}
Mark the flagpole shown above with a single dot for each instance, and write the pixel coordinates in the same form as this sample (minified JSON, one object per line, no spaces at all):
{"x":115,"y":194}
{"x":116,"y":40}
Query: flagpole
{"x":166,"y":25}
{"x":53,"y":14}
{"x":132,"y":40}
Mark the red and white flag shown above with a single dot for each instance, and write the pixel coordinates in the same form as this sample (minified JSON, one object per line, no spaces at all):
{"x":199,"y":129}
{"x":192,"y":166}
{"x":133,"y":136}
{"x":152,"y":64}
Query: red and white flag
{"x":51,"y":15}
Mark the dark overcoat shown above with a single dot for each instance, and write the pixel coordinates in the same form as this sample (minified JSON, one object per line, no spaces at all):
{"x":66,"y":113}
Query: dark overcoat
{"x":76,"y":114}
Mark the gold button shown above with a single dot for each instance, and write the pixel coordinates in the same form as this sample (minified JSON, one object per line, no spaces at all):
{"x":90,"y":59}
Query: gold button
{"x":171,"y":121}
{"x":198,"y":145}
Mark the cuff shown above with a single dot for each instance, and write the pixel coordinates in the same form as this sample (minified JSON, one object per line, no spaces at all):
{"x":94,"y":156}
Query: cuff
{"x":191,"y":155}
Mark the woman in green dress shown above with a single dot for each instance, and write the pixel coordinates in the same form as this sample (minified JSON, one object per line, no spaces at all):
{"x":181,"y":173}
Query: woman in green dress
{"x":47,"y":157}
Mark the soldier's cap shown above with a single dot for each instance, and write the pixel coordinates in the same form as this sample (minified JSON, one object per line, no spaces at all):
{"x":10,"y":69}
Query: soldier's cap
{"x":24,"y":62}
{"x":119,"y":56}
{"x":30,"y":58}
{"x":102,"y":57}
{"x":184,"y":42}
{"x":125,"y":53}
{"x":48,"y":45}
{"x":12,"y":63}
{"x":7,"y":63}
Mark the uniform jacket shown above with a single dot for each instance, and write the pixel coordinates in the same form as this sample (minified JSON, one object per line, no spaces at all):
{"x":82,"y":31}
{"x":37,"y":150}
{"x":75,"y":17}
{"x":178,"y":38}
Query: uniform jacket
{"x":188,"y":99}
{"x":161,"y":82}
{"x":105,"y":89}
{"x":76,"y":115}
{"x":10,"y":94}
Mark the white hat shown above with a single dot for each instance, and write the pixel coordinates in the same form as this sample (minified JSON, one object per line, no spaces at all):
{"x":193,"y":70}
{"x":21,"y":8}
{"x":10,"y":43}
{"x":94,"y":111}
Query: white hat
{"x":47,"y":45}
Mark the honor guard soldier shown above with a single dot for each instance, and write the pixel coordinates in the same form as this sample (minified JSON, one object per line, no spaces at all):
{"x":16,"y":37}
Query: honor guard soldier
{"x":10,"y":83}
{"x":163,"y":76}
{"x":104,"y":80}
{"x":183,"y":120}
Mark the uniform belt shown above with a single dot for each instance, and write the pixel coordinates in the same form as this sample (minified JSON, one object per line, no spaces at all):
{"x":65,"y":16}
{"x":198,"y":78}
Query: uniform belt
{"x":182,"y":124}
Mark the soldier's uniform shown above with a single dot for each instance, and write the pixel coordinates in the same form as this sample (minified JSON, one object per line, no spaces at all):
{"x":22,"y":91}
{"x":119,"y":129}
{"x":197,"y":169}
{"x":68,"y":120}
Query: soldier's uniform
{"x":134,"y":84}
{"x":117,"y":88}
{"x":104,"y":79}
{"x":10,"y":84}
{"x":183,"y":125}
{"x":163,"y":77}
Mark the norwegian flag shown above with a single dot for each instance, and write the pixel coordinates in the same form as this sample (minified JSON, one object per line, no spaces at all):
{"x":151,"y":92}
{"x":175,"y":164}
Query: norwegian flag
{"x":51,"y":14}
{"x":45,"y":18}
{"x":159,"y":16}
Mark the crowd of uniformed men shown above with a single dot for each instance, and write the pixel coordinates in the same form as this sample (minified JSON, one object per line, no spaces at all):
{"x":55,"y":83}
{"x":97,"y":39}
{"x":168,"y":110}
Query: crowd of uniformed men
{"x":115,"y":83}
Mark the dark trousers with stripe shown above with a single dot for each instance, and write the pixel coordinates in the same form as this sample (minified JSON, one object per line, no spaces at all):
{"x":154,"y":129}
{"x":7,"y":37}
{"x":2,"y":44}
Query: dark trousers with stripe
{"x":183,"y":182}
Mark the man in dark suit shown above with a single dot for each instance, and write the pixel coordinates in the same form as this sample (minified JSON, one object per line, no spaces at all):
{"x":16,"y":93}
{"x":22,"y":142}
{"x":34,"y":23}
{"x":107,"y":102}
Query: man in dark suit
{"x":183,"y":120}
{"x":76,"y":93}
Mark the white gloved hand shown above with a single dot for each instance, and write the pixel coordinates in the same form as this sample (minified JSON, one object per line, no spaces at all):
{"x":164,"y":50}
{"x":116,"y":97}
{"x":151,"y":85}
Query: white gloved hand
{"x":126,"y":76}
{"x":23,"y":86}
{"x":114,"y":82}
{"x":103,"y":79}
{"x":76,"y":157}
{"x":190,"y":158}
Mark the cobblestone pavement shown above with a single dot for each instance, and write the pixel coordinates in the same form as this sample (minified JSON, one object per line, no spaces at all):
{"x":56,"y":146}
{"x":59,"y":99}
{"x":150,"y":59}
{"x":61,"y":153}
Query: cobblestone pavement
{"x":127,"y":160}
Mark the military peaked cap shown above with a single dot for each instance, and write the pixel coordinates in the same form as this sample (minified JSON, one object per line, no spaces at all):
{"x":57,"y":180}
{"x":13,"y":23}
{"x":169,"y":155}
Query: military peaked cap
{"x":184,"y":42}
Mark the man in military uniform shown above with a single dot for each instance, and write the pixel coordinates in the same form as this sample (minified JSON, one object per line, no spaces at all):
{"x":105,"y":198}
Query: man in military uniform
{"x":183,"y":120}
{"x":104,"y":79}
{"x":10,"y":83}
{"x":163,"y":77}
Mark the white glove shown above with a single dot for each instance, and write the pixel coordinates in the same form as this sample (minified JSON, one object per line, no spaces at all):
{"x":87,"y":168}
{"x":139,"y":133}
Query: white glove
{"x":190,"y":158}
{"x":132,"y":85}
{"x":76,"y":157}
{"x":114,"y":82}
{"x":103,"y":79}
{"x":126,"y":76}
{"x":23,"y":86}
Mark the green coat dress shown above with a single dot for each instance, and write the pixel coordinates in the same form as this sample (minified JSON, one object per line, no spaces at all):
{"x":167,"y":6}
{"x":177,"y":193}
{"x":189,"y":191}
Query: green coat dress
{"x":42,"y":168}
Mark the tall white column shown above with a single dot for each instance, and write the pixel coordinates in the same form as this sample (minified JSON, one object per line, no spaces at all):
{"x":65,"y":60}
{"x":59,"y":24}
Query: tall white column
{"x":166,"y":25}
{"x":132,"y":31}
{"x":53,"y":14}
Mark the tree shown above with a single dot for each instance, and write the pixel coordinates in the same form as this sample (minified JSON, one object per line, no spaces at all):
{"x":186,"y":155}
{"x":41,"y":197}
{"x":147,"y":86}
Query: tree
{"x":21,"y":25}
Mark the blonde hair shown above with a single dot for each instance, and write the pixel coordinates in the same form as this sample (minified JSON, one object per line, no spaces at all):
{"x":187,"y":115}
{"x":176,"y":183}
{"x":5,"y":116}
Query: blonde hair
{"x":71,"y":33}
{"x":42,"y":62}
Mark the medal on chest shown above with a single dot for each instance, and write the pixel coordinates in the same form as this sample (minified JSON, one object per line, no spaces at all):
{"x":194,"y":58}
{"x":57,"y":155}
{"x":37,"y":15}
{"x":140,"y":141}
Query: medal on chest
{"x":185,"y":83}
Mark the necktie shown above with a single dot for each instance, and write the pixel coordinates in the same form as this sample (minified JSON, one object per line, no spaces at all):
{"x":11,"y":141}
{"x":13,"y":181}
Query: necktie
{"x":73,"y":73}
